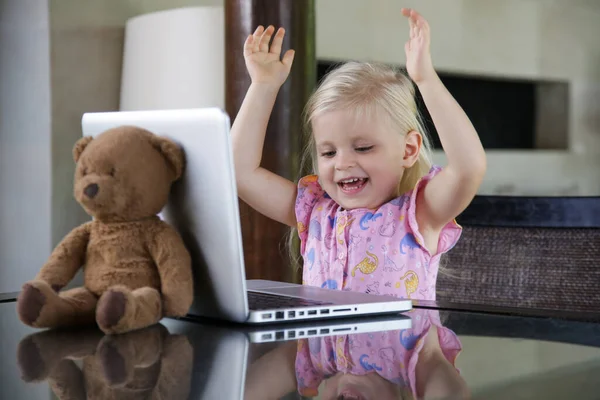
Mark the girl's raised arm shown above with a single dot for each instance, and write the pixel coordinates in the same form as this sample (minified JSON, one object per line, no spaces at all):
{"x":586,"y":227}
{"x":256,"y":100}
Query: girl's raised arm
{"x":451,"y":191}
{"x":263,"y":190}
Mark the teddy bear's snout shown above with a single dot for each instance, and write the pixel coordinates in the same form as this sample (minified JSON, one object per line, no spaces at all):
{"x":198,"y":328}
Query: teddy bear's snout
{"x":91,"y":190}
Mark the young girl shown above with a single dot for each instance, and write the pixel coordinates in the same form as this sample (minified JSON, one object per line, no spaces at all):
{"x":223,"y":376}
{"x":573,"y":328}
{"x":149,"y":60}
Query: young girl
{"x":376,"y":216}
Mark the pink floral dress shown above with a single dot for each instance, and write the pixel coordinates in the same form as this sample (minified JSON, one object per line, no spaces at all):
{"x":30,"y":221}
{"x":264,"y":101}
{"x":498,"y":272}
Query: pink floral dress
{"x":374,"y":251}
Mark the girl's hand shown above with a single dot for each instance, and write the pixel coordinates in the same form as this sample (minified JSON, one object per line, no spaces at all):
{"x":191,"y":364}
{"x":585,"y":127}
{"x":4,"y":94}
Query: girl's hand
{"x":418,"y":57}
{"x":264,"y":64}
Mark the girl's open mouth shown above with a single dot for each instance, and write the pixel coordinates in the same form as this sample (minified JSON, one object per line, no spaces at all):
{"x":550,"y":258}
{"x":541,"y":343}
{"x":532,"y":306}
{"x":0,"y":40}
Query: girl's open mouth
{"x":352,"y":185}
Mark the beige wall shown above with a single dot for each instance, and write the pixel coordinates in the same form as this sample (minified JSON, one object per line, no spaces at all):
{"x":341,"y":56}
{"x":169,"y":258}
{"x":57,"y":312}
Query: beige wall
{"x":111,"y":13}
{"x":535,"y":39}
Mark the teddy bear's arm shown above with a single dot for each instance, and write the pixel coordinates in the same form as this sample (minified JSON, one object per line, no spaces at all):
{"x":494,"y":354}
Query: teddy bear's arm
{"x":67,"y":258}
{"x":175,"y":270}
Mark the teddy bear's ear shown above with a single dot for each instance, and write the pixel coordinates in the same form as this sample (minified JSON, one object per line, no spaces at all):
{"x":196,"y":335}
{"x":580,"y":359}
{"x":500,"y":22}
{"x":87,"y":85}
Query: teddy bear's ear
{"x":80,"y":145}
{"x":173,"y":154}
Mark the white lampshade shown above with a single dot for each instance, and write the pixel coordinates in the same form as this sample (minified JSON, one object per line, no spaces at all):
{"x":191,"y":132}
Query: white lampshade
{"x":174,"y":59}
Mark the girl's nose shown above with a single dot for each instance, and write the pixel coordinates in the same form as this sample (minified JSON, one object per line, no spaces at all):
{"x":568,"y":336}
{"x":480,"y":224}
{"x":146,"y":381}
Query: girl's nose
{"x":344,"y":161}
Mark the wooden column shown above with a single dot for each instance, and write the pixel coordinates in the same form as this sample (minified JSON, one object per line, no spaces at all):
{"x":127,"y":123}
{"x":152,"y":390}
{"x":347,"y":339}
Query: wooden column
{"x":264,"y":239}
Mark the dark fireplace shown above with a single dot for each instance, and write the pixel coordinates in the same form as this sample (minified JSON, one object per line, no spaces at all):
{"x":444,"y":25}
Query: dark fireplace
{"x":507,"y":113}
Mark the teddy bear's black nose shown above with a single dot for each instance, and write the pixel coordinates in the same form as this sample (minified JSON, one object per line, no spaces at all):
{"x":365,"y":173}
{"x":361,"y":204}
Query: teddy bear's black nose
{"x":91,"y":190}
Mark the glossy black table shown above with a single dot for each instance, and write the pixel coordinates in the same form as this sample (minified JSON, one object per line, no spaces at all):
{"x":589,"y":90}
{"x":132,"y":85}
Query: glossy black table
{"x":503,"y":356}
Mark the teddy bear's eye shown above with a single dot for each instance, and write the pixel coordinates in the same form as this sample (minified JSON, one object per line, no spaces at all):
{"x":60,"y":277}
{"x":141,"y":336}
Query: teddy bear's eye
{"x":84,"y":171}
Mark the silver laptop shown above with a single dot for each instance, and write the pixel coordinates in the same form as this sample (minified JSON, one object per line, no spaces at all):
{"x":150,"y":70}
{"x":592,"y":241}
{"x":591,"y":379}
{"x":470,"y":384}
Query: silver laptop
{"x":203,"y":207}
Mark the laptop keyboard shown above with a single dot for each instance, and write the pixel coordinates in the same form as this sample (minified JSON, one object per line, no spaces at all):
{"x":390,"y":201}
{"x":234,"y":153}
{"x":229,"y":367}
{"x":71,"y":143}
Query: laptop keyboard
{"x":263,"y":301}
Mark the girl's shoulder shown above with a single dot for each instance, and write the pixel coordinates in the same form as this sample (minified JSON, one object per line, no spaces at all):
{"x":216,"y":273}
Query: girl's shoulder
{"x":309,"y":193}
{"x":406,"y":202}
{"x":403,"y":210}
{"x":449,"y":235}
{"x":311,"y":197}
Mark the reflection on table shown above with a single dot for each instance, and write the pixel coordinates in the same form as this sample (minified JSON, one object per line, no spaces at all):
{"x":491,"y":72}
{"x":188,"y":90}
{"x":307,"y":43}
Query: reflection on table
{"x":484,"y":356}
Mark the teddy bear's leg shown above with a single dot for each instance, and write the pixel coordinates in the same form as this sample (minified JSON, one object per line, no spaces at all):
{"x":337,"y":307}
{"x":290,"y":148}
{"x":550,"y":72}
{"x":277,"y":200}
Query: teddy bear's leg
{"x":40,"y":306}
{"x":121,"y":355}
{"x":122,"y":310}
{"x":39,"y":353}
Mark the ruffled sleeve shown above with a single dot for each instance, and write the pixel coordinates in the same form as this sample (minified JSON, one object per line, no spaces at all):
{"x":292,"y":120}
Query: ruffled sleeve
{"x":450,"y":233}
{"x":309,"y":193}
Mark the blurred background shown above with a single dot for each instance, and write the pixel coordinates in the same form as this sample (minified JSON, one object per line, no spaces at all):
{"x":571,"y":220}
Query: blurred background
{"x":526,"y":71}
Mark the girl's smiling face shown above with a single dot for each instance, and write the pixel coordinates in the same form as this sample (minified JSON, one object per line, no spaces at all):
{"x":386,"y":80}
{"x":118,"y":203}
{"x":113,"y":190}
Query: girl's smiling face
{"x":360,"y":161}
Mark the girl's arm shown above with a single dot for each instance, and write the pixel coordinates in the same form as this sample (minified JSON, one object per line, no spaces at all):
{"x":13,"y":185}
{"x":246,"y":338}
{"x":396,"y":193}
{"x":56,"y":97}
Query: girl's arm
{"x":266,"y":192}
{"x":451,"y":191}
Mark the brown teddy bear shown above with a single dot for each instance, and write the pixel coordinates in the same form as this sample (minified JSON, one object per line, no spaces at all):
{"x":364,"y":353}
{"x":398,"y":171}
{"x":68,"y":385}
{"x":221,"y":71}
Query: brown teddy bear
{"x":136,"y":267}
{"x":148,"y":363}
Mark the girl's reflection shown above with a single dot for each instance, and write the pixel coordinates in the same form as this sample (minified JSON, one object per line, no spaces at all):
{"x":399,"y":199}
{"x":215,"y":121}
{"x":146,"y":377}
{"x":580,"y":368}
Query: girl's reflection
{"x":412,"y":363}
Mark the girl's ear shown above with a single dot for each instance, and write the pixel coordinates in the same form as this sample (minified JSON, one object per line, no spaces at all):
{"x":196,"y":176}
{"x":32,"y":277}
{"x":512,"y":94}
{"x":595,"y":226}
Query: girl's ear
{"x":412,"y":147}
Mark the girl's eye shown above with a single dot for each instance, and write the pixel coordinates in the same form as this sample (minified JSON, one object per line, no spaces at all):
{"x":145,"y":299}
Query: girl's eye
{"x":364,"y":149}
{"x":112,"y":172}
{"x":328,"y":154}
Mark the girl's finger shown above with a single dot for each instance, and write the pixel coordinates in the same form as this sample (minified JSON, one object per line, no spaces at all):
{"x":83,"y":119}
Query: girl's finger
{"x":422,"y":28}
{"x":407,"y":12}
{"x":249,"y":45}
{"x":413,"y":28}
{"x":288,"y":59}
{"x":266,"y":38}
{"x":277,"y":42}
{"x":420,"y":21}
{"x":256,"y":38}
{"x":425,"y":25}
{"x":414,"y":17}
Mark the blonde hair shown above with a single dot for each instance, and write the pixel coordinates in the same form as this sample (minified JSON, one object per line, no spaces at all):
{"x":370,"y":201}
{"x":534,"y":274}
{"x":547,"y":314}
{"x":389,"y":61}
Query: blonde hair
{"x":366,"y":88}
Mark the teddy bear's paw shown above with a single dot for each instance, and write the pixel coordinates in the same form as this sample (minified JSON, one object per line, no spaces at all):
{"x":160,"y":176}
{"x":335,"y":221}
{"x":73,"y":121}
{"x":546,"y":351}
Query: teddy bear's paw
{"x":30,"y":303}
{"x":111,"y":309}
{"x":121,"y":310}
